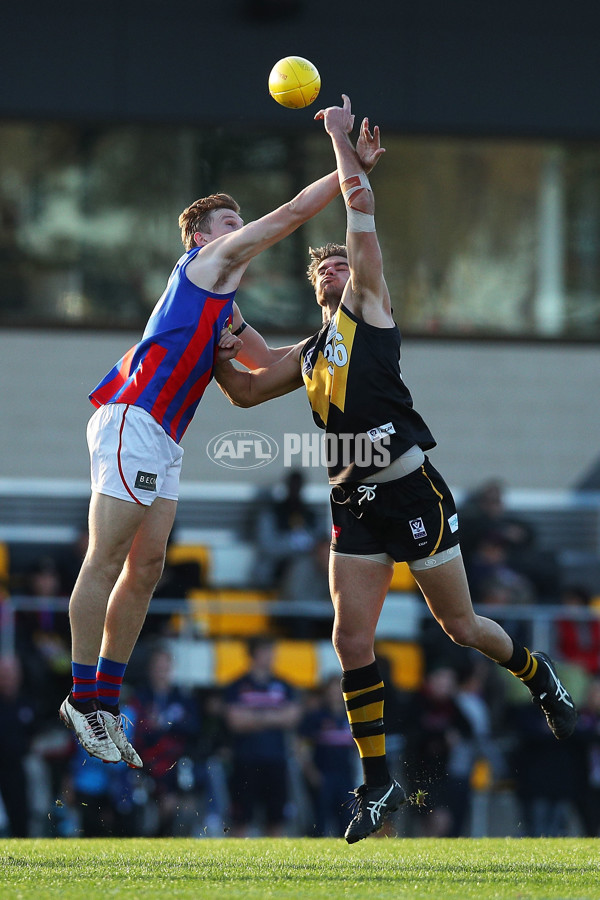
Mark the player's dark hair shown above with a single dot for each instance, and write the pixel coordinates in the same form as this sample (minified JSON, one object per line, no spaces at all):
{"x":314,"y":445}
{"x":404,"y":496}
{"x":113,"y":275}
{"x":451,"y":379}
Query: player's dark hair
{"x":318,"y":254}
{"x":197,"y":216}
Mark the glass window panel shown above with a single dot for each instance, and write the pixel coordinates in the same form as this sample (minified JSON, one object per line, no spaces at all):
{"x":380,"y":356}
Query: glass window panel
{"x":480,"y":237}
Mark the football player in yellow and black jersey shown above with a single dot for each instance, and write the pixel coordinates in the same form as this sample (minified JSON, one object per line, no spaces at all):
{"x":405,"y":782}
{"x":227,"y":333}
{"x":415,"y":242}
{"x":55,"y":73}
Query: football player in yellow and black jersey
{"x":388,"y":502}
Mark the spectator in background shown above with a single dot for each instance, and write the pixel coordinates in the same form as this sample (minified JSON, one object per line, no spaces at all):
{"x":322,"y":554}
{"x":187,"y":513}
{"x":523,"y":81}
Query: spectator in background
{"x":284,"y":527}
{"x":43,"y":580}
{"x":214,"y":753}
{"x":546,"y":774}
{"x":471,"y":700}
{"x":47,"y":629}
{"x":261,"y":712}
{"x":588,"y":772}
{"x":485,"y":515}
{"x":167,"y":734}
{"x":306,"y":578}
{"x":578,"y":640}
{"x":484,"y":512}
{"x":490,"y":573}
{"x":435,"y":730}
{"x":17,"y":721}
{"x":328,"y":757}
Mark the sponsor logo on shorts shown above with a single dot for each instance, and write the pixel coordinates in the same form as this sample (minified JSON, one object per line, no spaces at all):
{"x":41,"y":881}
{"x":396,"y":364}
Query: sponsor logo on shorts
{"x":453,"y":522}
{"x":417,"y":528}
{"x":145,"y":481}
{"x":335,"y":532}
{"x":377,"y":434}
{"x":242,"y":449}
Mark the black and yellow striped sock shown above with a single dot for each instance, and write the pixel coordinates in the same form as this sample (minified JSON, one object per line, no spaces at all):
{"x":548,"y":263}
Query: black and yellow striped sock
{"x":525,"y":667}
{"x":363,"y":695}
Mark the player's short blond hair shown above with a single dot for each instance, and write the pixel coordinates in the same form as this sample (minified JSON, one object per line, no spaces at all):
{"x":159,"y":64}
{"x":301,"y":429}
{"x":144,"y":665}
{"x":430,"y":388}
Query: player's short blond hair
{"x":197,"y":216}
{"x":318,"y":254}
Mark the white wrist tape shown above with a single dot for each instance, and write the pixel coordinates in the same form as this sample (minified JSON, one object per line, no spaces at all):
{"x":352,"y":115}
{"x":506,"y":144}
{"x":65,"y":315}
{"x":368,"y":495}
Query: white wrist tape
{"x":352,"y":189}
{"x":359,"y":221}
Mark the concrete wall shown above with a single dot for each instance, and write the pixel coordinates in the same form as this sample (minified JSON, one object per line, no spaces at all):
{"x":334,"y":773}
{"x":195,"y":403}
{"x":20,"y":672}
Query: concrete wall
{"x":526,"y":413}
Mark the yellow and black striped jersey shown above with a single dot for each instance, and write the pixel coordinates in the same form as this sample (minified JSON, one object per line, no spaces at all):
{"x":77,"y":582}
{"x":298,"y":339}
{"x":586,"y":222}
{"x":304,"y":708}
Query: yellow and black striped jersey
{"x":352,"y":375}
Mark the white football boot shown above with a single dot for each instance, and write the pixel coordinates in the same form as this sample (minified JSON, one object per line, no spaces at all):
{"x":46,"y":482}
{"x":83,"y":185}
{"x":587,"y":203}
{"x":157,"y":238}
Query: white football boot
{"x":87,"y":722}
{"x":114,"y":723}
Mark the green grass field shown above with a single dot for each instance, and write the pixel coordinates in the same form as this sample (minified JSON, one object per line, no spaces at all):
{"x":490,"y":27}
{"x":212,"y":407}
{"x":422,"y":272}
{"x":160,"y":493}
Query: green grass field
{"x":511,"y":869}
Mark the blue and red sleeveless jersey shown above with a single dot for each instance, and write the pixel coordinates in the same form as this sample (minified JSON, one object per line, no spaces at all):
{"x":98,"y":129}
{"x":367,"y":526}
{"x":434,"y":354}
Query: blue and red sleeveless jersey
{"x":167,"y":372}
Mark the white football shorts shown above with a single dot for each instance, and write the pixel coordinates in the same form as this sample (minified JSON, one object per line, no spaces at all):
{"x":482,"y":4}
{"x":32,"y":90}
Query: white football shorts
{"x":132,"y":457}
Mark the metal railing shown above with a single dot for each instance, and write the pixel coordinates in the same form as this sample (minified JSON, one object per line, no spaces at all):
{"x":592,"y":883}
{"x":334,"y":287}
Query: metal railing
{"x":541,"y":618}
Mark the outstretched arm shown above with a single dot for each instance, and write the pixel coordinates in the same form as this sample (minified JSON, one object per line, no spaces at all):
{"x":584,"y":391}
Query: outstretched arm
{"x":223,"y":261}
{"x":247,"y":389}
{"x":366,"y":293}
{"x":257,"y":236}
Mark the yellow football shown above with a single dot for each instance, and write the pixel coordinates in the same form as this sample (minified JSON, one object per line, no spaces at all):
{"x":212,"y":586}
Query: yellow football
{"x":294,"y":82}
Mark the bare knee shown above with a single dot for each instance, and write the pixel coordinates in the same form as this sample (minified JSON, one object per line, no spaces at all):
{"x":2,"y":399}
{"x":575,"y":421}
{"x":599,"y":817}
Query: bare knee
{"x":463,"y":631}
{"x":145,"y":572}
{"x":354,"y":649}
{"x":101,"y":567}
{"x":106,"y":555}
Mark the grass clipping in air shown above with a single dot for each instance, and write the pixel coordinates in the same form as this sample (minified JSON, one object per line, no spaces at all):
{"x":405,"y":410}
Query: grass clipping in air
{"x":102,"y":869}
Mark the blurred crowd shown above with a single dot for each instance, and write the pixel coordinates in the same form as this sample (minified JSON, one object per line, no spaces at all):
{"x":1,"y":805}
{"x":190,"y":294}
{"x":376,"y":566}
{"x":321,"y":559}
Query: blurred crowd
{"x":260,"y":756}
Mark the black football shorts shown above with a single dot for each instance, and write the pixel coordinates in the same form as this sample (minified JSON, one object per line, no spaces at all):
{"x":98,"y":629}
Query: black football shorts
{"x":410,"y":518}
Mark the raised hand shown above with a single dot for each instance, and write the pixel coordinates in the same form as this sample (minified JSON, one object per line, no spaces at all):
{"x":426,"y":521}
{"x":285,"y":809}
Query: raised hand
{"x":368,"y":146}
{"x":337,"y":117}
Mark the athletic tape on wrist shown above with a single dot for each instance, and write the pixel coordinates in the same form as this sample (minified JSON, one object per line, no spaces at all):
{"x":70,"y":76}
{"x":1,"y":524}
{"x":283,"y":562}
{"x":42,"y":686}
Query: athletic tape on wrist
{"x":354,"y":182}
{"x":356,"y":218}
{"x":359,"y":221}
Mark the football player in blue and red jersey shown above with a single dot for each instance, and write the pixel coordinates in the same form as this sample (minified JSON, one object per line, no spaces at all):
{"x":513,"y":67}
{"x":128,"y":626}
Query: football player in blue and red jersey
{"x":144,"y":405}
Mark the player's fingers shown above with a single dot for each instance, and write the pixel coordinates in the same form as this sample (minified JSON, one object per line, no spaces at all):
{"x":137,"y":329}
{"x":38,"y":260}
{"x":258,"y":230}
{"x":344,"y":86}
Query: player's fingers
{"x":228,"y":339}
{"x":320,"y":115}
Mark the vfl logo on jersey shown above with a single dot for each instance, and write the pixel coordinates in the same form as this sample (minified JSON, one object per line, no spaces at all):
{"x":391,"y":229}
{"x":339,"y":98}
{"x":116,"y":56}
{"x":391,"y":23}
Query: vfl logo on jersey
{"x":417,"y":528}
{"x":377,"y":434}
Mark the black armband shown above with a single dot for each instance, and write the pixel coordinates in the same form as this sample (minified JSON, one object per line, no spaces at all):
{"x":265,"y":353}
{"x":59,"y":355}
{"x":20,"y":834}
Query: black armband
{"x":239,"y":330}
